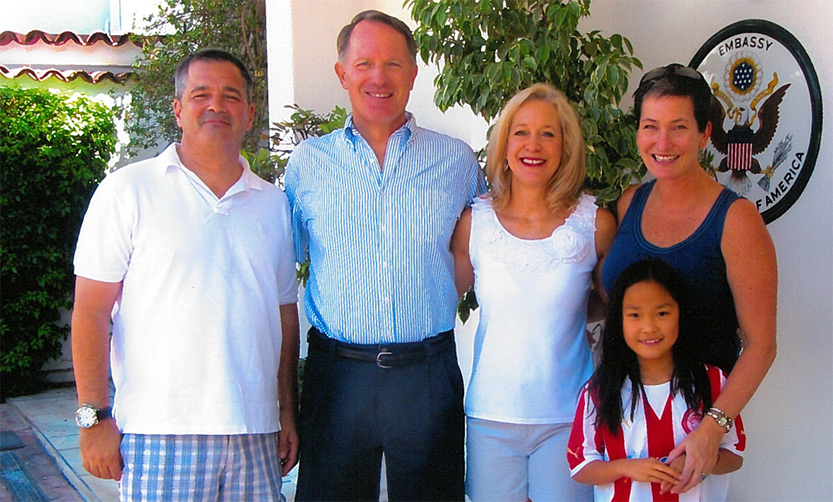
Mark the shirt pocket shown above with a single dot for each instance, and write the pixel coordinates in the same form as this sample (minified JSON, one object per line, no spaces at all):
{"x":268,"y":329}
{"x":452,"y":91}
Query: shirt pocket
{"x":429,"y":215}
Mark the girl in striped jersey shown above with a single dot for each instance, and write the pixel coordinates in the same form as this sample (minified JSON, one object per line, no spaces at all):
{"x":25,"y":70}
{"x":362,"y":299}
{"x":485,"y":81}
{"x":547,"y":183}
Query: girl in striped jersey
{"x":647,"y":394}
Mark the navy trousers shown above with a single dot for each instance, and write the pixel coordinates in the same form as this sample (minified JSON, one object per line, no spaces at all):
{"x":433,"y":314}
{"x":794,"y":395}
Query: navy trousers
{"x":354,"y":411}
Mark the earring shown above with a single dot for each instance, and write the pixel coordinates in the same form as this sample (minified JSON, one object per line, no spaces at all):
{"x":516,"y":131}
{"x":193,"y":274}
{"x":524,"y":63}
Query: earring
{"x":505,"y":165}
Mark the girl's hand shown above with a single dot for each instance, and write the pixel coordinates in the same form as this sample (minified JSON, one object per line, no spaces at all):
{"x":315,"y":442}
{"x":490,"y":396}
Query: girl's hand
{"x":650,"y":470}
{"x":700,"y":449}
{"x":676,"y":464}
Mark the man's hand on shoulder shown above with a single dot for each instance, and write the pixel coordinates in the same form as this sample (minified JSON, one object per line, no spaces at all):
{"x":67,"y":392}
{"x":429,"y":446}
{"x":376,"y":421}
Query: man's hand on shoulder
{"x":100,"y":450}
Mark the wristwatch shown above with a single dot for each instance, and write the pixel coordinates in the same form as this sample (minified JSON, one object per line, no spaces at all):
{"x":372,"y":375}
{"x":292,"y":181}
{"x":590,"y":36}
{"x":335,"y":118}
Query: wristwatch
{"x":87,"y":415}
{"x":721,"y":418}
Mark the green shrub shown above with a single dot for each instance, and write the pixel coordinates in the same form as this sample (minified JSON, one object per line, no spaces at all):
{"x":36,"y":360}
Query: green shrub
{"x":54,"y":150}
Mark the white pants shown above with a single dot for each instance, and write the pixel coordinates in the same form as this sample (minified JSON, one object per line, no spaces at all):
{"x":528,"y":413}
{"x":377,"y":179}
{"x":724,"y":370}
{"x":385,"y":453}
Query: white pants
{"x":515,"y":462}
{"x":716,"y":488}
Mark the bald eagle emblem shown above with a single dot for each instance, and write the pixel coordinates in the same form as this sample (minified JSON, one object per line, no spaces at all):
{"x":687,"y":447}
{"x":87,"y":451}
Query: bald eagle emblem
{"x":752,"y":128}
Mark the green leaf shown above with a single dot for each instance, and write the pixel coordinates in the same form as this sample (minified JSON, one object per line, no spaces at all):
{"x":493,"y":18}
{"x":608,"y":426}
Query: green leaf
{"x":612,"y":75}
{"x":493,"y":71}
{"x":441,"y":17}
{"x":616,"y":41}
{"x":542,"y":54}
{"x":515,"y":54}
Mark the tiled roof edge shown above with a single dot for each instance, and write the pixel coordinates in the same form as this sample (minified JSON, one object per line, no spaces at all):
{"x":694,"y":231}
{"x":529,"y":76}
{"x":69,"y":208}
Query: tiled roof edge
{"x":35,"y":36}
{"x":68,"y":76}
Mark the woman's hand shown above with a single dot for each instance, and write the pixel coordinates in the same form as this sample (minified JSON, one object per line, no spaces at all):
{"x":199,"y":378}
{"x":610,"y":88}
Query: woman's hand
{"x":699,"y":450}
{"x":678,"y":464}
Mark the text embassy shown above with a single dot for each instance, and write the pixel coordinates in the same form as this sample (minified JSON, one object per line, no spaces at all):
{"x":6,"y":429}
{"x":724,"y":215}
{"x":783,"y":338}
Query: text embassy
{"x":750,"y":41}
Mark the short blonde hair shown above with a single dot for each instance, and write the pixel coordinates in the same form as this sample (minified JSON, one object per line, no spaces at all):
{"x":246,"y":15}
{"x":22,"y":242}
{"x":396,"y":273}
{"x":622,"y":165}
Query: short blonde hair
{"x":565,"y":185}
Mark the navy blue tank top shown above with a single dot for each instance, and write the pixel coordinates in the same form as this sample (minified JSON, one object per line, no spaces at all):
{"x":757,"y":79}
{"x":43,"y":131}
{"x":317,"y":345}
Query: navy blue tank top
{"x":699,"y":260}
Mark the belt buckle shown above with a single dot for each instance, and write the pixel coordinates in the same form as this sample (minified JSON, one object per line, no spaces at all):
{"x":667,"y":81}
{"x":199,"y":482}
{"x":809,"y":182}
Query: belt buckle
{"x":379,"y":359}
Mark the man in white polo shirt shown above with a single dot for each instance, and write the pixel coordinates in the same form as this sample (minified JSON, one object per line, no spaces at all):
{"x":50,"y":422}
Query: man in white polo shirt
{"x":191,"y":255}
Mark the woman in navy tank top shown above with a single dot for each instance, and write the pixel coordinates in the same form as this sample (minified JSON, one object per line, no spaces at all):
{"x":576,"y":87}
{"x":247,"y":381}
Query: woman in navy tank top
{"x":715,"y":239}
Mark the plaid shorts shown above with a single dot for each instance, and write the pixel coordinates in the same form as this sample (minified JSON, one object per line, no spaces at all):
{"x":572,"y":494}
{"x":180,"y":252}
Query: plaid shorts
{"x":200,"y":468}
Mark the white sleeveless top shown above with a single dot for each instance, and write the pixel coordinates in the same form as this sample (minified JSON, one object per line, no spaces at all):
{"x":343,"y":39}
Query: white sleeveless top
{"x":531,"y":355}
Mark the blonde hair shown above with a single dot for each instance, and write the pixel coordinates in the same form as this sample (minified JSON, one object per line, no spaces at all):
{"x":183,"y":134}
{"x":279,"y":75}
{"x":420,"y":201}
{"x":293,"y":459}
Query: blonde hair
{"x":565,"y":185}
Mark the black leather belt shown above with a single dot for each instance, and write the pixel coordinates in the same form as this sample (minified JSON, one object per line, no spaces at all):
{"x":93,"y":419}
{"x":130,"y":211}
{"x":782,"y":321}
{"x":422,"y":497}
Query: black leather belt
{"x":385,"y":355}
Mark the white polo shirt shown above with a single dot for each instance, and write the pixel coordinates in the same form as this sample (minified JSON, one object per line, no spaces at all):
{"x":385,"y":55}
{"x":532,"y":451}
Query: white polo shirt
{"x":196,"y":330}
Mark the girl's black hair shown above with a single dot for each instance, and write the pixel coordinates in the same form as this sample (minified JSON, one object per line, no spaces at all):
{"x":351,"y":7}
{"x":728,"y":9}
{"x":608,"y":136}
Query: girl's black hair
{"x":619,"y":362}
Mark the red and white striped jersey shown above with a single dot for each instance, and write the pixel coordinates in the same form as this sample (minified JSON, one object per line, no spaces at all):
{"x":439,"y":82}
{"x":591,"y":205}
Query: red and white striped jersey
{"x":647,"y":434}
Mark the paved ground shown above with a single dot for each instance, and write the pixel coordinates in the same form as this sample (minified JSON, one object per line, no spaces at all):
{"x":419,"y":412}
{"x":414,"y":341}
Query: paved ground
{"x":45,"y":424}
{"x":50,"y":415}
{"x":41,"y":466}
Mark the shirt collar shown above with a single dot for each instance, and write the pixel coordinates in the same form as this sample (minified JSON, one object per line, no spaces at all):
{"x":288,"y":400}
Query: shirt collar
{"x":408,"y":130}
{"x":251,"y":179}
{"x":169,"y":159}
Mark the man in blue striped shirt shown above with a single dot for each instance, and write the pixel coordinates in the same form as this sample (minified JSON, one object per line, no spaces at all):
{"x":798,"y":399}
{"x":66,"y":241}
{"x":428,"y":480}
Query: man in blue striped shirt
{"x":374,"y":205}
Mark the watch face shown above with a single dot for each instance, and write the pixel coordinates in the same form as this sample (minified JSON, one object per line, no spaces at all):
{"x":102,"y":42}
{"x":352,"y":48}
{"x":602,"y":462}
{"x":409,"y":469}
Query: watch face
{"x":86,"y":417}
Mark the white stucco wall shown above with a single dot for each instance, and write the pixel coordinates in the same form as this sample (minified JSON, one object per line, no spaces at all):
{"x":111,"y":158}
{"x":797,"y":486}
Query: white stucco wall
{"x":79,"y":16}
{"x":788,"y":421}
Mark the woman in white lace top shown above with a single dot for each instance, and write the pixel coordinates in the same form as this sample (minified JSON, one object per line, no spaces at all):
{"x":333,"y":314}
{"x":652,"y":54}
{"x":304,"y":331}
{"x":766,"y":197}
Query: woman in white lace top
{"x":531,"y":247}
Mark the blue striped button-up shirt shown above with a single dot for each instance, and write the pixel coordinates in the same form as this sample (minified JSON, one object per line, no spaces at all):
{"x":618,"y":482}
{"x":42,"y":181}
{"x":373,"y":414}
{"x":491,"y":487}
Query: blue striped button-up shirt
{"x":378,"y":239}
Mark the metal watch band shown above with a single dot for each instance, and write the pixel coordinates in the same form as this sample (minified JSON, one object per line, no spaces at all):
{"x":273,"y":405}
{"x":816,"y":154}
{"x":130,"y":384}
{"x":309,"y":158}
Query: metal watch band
{"x":721,"y":418}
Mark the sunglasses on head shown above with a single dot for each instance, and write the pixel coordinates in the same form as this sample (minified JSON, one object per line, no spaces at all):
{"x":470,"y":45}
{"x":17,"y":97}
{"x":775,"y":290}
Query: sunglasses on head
{"x":672,"y":69}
